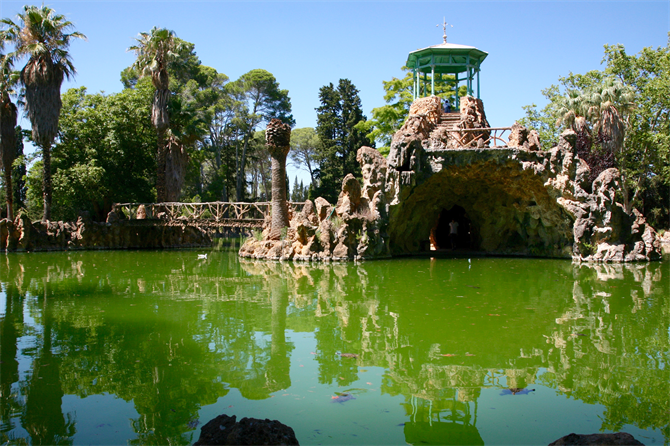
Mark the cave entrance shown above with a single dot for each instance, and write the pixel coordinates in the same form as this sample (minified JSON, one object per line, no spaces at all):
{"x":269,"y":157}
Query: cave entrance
{"x":440,"y":234}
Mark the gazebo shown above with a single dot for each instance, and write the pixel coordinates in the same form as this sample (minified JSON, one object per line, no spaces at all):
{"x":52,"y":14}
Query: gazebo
{"x":445,"y":58}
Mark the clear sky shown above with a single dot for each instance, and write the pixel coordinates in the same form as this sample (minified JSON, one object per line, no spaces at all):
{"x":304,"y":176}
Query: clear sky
{"x":307,"y":45}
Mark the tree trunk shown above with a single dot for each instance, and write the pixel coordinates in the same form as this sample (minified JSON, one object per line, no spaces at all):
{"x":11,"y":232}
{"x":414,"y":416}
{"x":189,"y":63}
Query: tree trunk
{"x":10,"y":193}
{"x":240,"y":169}
{"x":46,"y":182}
{"x":176,"y":162}
{"x":279,"y":203}
{"x":8,"y":115}
{"x":160,"y":166}
{"x":278,"y":141}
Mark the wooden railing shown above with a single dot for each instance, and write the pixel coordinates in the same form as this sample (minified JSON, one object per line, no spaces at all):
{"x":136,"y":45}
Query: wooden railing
{"x":218,"y":213}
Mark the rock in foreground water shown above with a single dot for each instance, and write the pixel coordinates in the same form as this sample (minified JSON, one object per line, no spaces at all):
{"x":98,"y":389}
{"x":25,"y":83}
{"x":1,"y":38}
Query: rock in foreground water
{"x":224,"y":430}
{"x":620,"y":438}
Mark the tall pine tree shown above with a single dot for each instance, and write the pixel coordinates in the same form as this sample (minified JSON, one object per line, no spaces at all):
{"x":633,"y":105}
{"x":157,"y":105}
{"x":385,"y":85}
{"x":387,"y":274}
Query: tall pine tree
{"x":337,"y":116}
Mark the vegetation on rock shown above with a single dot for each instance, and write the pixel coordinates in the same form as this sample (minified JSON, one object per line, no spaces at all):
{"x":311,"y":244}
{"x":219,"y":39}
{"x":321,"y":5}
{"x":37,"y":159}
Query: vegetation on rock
{"x":622,"y":119}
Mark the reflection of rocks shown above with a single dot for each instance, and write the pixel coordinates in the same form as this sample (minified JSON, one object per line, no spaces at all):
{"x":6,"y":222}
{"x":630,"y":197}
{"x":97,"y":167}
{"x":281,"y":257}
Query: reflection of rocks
{"x":620,"y":438}
{"x":223,"y":430}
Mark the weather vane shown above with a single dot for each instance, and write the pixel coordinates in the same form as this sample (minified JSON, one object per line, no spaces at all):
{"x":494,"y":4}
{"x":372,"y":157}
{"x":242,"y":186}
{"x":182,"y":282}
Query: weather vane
{"x":444,"y":27}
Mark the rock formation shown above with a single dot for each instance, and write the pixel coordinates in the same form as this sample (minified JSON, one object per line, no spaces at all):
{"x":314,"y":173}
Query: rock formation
{"x":516,"y":199}
{"x":117,"y":233}
{"x":353,"y":229}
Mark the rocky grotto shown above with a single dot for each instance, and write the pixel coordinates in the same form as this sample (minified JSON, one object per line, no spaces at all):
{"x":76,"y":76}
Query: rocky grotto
{"x":509,"y":198}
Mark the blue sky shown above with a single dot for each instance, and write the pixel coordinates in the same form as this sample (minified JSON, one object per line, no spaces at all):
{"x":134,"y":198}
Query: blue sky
{"x":309,"y":44}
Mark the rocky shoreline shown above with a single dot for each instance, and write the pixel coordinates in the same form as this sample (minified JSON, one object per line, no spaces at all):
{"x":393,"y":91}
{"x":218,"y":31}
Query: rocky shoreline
{"x":23,"y":235}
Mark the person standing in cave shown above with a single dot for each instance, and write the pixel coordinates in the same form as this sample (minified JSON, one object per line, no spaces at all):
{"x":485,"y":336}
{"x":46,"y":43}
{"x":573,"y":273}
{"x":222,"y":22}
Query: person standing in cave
{"x":453,"y":232}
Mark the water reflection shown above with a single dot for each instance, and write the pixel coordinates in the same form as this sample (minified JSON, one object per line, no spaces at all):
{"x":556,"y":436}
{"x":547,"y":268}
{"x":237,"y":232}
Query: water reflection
{"x":171,"y":334}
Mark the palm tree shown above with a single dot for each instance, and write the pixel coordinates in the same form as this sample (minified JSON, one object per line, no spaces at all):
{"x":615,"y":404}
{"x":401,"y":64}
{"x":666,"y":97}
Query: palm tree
{"x":605,"y":108}
{"x":8,"y":116}
{"x":41,"y":35}
{"x":278,"y":141}
{"x":155,"y":51}
{"x":573,"y":112}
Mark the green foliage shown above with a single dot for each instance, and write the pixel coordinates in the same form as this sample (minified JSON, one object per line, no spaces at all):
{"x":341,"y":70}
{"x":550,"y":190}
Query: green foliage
{"x":388,"y":119}
{"x":646,"y":159}
{"x":305,"y":144}
{"x":33,"y":206}
{"x":337,"y":222}
{"x":627,"y":102}
{"x":299,"y":192}
{"x":261,"y":100}
{"x":337,"y":119}
{"x":104,"y":152}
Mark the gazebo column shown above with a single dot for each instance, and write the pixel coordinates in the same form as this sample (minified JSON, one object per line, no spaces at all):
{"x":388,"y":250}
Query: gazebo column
{"x":478,"y":85}
{"x":432,"y":80}
{"x":415,"y":88}
{"x":458,"y":98}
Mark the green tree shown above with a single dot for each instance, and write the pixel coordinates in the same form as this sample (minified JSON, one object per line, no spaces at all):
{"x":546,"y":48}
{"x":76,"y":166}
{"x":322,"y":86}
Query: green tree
{"x":262,"y":101}
{"x":213,"y":175}
{"x":41,"y":34}
{"x":645,"y":160}
{"x":388,"y":119}
{"x":304,"y":146}
{"x":337,"y":117}
{"x":622,"y":117}
{"x":104,"y":152}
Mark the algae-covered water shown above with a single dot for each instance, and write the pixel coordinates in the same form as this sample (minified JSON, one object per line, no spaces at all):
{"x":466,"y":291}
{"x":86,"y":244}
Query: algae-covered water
{"x":145,"y":347}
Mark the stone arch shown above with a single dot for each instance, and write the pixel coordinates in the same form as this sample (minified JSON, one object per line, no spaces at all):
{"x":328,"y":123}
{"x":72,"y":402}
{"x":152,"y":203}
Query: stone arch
{"x":511,"y":210}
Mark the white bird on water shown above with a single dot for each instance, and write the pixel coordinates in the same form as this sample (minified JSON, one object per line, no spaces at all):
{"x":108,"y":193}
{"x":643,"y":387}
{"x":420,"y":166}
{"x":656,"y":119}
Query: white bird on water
{"x":202,"y":256}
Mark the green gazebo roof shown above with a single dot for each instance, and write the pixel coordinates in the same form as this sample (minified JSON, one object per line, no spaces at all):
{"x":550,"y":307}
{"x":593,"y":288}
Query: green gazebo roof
{"x":446,"y":58}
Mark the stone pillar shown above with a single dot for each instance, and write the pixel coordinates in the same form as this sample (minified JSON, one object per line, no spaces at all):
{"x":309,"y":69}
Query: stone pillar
{"x":278,"y":141}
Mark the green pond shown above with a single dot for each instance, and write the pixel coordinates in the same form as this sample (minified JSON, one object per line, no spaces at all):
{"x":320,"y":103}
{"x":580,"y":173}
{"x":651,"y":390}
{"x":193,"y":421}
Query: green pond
{"x":146,"y":347}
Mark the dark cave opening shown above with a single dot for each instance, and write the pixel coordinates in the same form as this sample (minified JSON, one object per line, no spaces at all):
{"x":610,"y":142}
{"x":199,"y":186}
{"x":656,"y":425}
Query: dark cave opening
{"x":440,"y":235}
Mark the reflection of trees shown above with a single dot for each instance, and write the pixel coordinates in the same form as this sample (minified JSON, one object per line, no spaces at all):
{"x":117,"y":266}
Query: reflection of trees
{"x":42,"y":416}
{"x":442,"y":330}
{"x":597,"y":329}
{"x":611,"y":346}
{"x":10,"y":328}
{"x":158,"y":350}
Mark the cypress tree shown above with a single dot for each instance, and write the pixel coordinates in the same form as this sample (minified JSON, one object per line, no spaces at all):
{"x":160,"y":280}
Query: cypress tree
{"x":339,"y":112}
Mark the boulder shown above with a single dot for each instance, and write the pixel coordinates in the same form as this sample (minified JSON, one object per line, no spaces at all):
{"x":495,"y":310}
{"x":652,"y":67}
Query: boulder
{"x":224,"y":430}
{"x":323,"y":208}
{"x":350,"y":196}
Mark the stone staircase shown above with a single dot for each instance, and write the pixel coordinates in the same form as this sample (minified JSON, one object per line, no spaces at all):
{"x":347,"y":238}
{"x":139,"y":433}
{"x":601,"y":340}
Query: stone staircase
{"x":448,"y":121}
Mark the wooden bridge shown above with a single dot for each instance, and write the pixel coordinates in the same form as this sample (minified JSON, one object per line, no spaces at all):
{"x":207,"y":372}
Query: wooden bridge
{"x":217,"y":214}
